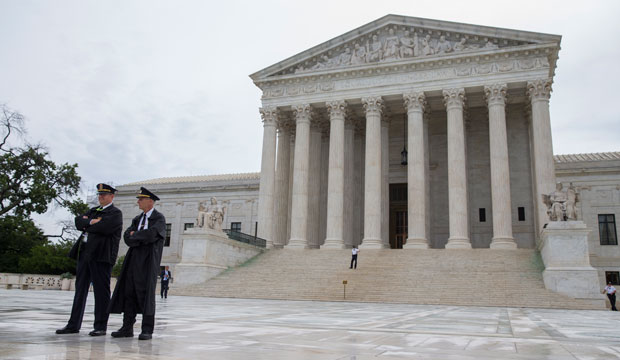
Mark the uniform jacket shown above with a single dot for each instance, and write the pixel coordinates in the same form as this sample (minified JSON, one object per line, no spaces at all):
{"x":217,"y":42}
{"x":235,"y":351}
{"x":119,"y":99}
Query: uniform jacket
{"x":103,"y":237}
{"x":141,"y":263}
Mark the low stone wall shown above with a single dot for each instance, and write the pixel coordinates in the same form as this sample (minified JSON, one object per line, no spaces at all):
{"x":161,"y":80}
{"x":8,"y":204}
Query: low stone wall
{"x":40,"y":282}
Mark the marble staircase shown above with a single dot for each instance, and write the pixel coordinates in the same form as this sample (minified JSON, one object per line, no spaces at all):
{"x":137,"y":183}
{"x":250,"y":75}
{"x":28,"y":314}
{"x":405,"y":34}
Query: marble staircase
{"x":479,"y":277}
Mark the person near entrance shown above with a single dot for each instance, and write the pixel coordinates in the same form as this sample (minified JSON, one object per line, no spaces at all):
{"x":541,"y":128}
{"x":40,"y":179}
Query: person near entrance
{"x":165,"y":276}
{"x":135,"y":290}
{"x":95,"y":251}
{"x":354,"y":253}
{"x":611,"y":294}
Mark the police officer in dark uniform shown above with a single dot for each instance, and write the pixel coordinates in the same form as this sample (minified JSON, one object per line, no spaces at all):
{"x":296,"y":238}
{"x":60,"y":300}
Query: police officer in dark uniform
{"x":95,"y":252}
{"x":135,"y":290}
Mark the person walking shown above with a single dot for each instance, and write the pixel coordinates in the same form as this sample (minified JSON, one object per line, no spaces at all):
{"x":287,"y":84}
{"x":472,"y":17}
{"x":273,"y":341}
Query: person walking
{"x":165,"y":276}
{"x":354,"y":253}
{"x":95,"y":251}
{"x":611,"y":294}
{"x":135,"y":290}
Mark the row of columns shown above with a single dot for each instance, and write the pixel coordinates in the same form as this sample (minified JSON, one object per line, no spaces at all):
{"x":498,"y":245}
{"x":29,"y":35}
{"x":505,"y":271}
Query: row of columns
{"x":274,"y":208}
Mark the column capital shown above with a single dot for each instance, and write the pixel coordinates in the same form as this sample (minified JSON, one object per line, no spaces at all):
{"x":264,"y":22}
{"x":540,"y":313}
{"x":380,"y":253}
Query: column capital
{"x":373,"y":105}
{"x":495,"y":94}
{"x":337,"y":109}
{"x":539,"y":89}
{"x":415,"y":101}
{"x":454,"y":98}
{"x":303,"y":113}
{"x":270,"y":115}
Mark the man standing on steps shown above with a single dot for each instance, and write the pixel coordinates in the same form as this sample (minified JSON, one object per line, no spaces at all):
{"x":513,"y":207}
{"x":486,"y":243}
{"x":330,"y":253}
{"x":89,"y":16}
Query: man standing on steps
{"x":354,"y":253}
{"x":611,"y":294}
{"x":135,"y":290}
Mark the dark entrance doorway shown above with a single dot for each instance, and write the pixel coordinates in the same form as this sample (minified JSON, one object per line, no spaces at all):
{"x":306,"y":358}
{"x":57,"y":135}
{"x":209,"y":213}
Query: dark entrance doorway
{"x":398,"y":215}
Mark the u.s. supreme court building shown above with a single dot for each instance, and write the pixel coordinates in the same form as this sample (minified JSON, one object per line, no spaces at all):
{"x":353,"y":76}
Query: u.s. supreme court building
{"x":405,"y":133}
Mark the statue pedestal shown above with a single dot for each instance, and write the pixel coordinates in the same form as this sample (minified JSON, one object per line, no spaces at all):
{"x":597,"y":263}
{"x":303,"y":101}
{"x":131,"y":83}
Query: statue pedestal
{"x":206,"y":253}
{"x":564,"y":250}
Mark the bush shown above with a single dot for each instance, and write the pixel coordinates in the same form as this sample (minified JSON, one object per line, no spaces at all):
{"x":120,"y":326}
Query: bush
{"x":66,"y":275}
{"x":116,"y":270}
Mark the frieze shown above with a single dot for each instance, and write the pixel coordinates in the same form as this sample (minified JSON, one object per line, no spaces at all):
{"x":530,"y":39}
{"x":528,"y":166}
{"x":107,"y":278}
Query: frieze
{"x":401,"y":77}
{"x":393,"y":43}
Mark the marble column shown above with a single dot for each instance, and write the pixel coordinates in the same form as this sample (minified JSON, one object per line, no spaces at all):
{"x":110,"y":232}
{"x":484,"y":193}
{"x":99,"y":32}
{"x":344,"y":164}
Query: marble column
{"x":334,"y":238}
{"x":282,"y":186}
{"x":457,"y":171}
{"x":416,"y":172}
{"x":314,"y":185}
{"x":372,"y":174}
{"x":539,"y":92}
{"x":360,"y":160}
{"x":349,"y":180}
{"x":299,"y":207}
{"x":500,"y":171}
{"x":267,"y":179}
{"x":385,"y":181}
{"x":290,"y":183}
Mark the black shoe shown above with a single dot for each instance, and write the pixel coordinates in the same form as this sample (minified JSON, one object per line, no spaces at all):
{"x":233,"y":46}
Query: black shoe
{"x":122,"y":332}
{"x":145,"y":336}
{"x":67,"y":330}
{"x":97,"y":333}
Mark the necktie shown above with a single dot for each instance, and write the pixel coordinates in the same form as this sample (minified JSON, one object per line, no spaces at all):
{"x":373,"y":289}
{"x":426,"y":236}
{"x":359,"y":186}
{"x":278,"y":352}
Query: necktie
{"x":143,"y":222}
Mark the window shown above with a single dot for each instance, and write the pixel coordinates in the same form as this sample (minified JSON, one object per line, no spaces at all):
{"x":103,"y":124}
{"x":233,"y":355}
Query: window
{"x":482,"y":214}
{"x":168,"y":232}
{"x":236,"y":226}
{"x":188,"y":226}
{"x":521,"y":211}
{"x":612,"y":277}
{"x":607,"y":229}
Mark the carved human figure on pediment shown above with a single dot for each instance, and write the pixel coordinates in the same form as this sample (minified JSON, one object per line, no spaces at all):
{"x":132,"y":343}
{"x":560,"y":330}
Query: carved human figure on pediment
{"x":491,"y":45}
{"x":407,"y":46}
{"x":427,"y":49}
{"x":321,"y":64}
{"x":391,"y":49}
{"x":374,"y":50}
{"x":460,"y":45}
{"x":443,"y":46}
{"x":359,"y":55}
{"x":345,"y":58}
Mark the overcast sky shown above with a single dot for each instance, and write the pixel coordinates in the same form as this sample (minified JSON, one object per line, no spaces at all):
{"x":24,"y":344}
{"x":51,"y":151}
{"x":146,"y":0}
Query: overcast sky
{"x":134,"y":90}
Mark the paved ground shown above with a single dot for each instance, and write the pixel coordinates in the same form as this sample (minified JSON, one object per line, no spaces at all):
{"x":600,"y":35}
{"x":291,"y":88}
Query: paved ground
{"x":197,"y":328}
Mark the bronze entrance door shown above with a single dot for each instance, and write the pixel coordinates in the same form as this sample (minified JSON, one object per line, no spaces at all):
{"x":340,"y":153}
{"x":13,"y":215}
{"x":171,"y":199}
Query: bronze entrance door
{"x":398,"y":215}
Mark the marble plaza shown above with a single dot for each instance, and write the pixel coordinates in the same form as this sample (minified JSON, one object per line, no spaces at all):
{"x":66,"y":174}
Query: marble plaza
{"x":195,"y":328}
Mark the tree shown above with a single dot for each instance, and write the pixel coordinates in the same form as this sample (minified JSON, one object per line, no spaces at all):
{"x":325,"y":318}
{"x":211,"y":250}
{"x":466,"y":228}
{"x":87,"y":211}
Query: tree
{"x":18,"y":235}
{"x":49,"y":258}
{"x":29,"y":181}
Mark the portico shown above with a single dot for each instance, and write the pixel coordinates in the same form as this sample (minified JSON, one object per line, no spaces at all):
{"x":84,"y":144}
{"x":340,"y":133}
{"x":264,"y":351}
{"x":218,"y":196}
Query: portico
{"x":469,"y":103}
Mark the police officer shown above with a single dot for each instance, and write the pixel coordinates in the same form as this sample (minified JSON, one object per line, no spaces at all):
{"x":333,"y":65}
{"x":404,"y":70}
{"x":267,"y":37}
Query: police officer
{"x":135,"y":290}
{"x":95,"y":252}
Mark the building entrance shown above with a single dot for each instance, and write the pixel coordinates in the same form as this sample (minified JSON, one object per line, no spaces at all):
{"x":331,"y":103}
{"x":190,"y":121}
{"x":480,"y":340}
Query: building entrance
{"x":398,"y":215}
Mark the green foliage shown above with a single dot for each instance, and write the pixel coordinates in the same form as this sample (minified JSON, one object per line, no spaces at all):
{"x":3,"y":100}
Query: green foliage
{"x":76,"y":207}
{"x":29,"y":181}
{"x":49,"y":258}
{"x":18,"y":235}
{"x":116,"y":270}
{"x":66,"y":275}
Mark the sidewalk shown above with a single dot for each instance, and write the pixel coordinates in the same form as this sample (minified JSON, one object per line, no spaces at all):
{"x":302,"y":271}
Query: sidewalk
{"x":200,"y":328}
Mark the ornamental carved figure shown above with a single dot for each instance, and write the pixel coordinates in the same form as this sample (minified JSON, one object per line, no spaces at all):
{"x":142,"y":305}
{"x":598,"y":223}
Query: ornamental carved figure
{"x":211,"y":216}
{"x":562,"y":204}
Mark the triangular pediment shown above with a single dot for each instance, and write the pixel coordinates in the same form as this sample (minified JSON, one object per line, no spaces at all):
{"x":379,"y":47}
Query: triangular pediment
{"x":394,"y":38}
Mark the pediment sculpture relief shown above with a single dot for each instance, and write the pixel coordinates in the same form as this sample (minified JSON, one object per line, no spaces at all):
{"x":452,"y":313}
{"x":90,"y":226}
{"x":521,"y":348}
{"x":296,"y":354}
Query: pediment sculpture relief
{"x":396,"y":43}
{"x":562,"y":204}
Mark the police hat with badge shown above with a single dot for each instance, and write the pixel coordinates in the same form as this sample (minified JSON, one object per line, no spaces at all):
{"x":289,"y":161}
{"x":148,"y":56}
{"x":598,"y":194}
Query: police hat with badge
{"x":145,"y":193}
{"x":103,"y":189}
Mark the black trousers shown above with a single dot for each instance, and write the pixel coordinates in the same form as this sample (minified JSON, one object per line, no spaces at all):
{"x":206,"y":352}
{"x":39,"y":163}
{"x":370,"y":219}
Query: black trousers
{"x":99,"y":274}
{"x":132,"y":308}
{"x":164,"y":288}
{"x":612,"y":300}
{"x":353,"y":258}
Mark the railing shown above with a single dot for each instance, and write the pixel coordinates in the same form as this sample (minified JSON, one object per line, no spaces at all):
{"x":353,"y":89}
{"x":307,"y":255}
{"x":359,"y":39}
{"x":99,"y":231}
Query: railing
{"x":245,"y":238}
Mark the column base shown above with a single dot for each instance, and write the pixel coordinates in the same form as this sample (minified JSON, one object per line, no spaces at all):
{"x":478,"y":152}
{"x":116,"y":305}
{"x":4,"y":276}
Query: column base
{"x":333,"y":244}
{"x":503,"y":243}
{"x":458,"y":243}
{"x":372,"y":244}
{"x":297,"y":244}
{"x":419,"y":243}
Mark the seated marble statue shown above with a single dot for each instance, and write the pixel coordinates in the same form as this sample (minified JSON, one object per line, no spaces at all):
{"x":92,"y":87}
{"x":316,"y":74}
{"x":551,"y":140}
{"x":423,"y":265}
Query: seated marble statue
{"x":212,"y":216}
{"x":561,"y":204}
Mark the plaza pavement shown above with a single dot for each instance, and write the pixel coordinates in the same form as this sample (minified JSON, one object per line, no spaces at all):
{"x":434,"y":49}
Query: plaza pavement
{"x":216,"y":328}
